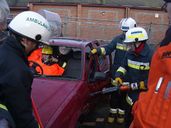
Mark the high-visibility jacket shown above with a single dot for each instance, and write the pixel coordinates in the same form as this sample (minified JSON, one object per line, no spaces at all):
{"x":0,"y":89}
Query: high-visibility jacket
{"x":54,"y":69}
{"x":153,"y":108}
{"x":36,"y":54}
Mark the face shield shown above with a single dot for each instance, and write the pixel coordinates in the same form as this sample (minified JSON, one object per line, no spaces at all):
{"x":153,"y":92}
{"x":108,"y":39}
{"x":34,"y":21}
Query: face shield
{"x":54,"y":20}
{"x":4,"y":13}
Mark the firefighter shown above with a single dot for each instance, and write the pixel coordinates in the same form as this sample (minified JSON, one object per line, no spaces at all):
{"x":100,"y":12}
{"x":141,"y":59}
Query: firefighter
{"x":116,"y":102}
{"x":136,"y":65}
{"x":47,"y":62}
{"x":26,"y":30}
{"x":4,"y":13}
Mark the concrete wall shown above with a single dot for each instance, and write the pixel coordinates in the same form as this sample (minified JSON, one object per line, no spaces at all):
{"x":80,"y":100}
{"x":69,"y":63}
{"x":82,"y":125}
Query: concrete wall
{"x":102,"y":22}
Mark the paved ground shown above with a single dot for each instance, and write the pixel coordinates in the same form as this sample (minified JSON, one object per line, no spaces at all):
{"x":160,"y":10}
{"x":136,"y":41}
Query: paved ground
{"x":97,"y":118}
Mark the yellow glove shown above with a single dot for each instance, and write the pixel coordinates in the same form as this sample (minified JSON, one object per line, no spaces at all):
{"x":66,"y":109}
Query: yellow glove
{"x":118,"y":80}
{"x":113,"y":82}
{"x":142,"y":85}
{"x":94,"y":51}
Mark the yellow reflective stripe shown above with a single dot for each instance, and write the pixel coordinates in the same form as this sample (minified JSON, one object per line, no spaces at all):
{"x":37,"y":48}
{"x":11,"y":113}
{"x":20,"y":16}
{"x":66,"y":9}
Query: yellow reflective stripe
{"x":64,"y":65}
{"x":120,"y":111}
{"x":3,"y":107}
{"x":122,"y":70}
{"x":129,"y":100}
{"x":113,"y":111}
{"x":103,"y":51}
{"x":141,"y":35}
{"x":121,"y":47}
{"x":139,"y":67}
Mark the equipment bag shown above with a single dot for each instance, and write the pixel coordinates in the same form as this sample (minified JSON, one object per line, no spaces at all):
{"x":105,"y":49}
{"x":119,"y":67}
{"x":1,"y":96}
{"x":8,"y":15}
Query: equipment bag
{"x":153,"y":108}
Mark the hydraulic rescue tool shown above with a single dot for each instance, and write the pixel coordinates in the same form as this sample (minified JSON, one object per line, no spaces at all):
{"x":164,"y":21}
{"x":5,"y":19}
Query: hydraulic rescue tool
{"x":124,"y":87}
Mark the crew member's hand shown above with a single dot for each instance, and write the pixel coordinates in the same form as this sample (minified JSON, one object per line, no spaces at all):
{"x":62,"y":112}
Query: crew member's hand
{"x":53,"y":59}
{"x":93,"y":51}
{"x":142,"y":86}
{"x":118,"y":80}
{"x":138,"y":86}
{"x":113,"y":82}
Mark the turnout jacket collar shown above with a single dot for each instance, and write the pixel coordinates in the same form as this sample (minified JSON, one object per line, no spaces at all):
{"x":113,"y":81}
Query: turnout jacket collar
{"x":13,"y":45}
{"x":144,"y":52}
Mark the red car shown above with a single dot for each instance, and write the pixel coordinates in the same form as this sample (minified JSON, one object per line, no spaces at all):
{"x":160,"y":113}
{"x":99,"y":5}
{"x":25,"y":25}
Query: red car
{"x":61,"y":100}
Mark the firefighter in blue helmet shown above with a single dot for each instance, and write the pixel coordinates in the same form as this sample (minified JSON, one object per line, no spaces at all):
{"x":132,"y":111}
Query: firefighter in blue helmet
{"x":136,"y":65}
{"x":116,"y":106}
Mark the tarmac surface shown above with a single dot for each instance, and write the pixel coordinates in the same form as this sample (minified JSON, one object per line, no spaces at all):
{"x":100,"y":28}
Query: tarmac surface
{"x":98,"y":117}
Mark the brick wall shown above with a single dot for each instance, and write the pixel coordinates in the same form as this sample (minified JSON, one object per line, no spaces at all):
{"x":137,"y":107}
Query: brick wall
{"x":102,"y":22}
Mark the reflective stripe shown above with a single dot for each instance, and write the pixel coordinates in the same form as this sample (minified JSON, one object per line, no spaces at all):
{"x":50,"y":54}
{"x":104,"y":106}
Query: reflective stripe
{"x":3,"y":107}
{"x":120,"y":111}
{"x":121,"y":47}
{"x":122,"y":70}
{"x":138,"y":65}
{"x":113,"y":111}
{"x":103,"y":51}
{"x":64,"y":65}
{"x":129,"y":100}
{"x":139,"y":35}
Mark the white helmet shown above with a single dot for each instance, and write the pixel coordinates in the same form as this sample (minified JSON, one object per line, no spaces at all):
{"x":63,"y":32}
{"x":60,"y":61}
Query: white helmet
{"x":127,"y":23}
{"x":136,"y":35}
{"x":32,"y":25}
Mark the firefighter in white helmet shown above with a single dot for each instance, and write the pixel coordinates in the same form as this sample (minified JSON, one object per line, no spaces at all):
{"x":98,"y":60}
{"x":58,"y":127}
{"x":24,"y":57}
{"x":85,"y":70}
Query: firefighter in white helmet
{"x":135,"y":66}
{"x":117,"y":111}
{"x":27,"y":30}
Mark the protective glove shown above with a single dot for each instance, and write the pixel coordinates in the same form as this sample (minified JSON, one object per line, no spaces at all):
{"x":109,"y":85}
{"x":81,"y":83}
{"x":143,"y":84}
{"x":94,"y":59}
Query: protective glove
{"x":113,"y":82}
{"x":142,"y":86}
{"x":118,"y":80}
{"x":138,"y":86}
{"x":94,"y":51}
